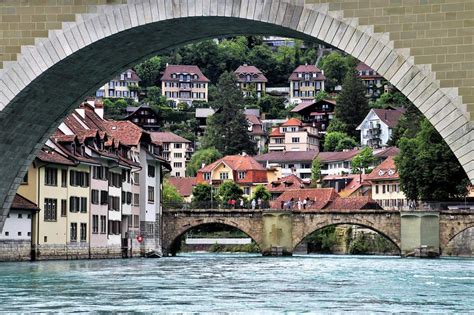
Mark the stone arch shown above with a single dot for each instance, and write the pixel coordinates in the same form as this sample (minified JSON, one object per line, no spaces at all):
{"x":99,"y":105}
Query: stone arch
{"x":446,"y":248}
{"x":173,"y":231}
{"x":79,"y":58}
{"x":451,"y":225}
{"x":384,"y":228}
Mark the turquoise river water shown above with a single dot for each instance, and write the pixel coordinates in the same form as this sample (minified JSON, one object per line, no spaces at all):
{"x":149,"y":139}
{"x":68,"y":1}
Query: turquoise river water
{"x":240,"y":284}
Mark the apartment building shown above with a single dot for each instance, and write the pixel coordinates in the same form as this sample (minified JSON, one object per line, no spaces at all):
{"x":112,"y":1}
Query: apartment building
{"x":288,"y":163}
{"x":144,"y":117}
{"x":293,"y":135}
{"x":377,"y":127}
{"x":175,"y":149}
{"x":319,"y":114}
{"x":123,"y":86}
{"x":255,"y":127}
{"x":305,"y":82}
{"x":184,"y":84}
{"x":371,"y":79}
{"x":251,"y":80}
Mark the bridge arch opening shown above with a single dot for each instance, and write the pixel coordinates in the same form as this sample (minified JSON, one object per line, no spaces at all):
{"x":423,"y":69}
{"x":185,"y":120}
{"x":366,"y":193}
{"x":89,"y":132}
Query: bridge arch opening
{"x":75,"y":61}
{"x":228,"y":238}
{"x":460,"y":244}
{"x":347,"y":238}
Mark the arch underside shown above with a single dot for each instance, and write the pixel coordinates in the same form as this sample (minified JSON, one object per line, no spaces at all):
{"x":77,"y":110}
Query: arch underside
{"x":49,"y":80}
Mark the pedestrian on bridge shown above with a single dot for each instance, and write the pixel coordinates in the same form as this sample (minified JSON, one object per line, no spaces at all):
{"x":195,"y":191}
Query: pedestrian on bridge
{"x":254,"y":203}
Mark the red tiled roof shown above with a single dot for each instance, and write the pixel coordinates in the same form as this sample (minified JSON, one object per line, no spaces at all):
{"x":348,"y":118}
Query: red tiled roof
{"x":236,"y":163}
{"x":287,"y":156}
{"x":21,"y":203}
{"x":318,"y":197}
{"x":354,"y":185}
{"x":166,"y":137}
{"x":338,"y":156}
{"x":184,"y":185}
{"x":292,"y":122}
{"x":276,"y":133}
{"x":253,"y":119}
{"x":256,"y":74}
{"x":49,"y":156}
{"x":363,"y":67}
{"x":285,"y":183}
{"x":387,"y":170}
{"x":386,"y":152}
{"x":134,"y":76}
{"x":125,"y":131}
{"x":307,"y":69}
{"x":353,"y":203}
{"x":389,"y":116}
{"x":180,"y":69}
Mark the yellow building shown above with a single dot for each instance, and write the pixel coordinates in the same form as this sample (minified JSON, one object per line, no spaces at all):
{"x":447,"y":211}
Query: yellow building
{"x":251,"y":80}
{"x":184,"y":84}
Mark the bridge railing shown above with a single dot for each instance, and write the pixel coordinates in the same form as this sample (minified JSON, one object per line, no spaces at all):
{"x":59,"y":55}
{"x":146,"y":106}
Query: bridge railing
{"x":216,"y":205}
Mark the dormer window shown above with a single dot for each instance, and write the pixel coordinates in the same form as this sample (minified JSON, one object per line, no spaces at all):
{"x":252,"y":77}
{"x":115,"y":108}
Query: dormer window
{"x":173,"y":75}
{"x":241,"y":174}
{"x":129,"y":75}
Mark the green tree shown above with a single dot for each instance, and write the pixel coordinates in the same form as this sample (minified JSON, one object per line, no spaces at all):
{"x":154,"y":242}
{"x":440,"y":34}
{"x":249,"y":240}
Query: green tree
{"x":321,"y":95}
{"x":202,"y":192}
{"x":336,"y":125}
{"x":227,"y":130}
{"x":200,"y":157}
{"x":362,"y":161}
{"x":408,"y":125}
{"x":149,"y":71}
{"x":115,"y":109}
{"x":272,"y":106}
{"x":170,"y":193}
{"x":315,"y":172}
{"x":352,"y":105}
{"x":336,"y":139}
{"x":427,"y":167}
{"x":336,"y":66}
{"x":393,"y":99}
{"x":228,"y":191}
{"x":346,"y":143}
{"x":261,"y":192}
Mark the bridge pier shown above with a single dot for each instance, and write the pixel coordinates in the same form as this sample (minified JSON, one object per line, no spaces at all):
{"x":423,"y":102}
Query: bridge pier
{"x":277,"y":233}
{"x":420,"y":231}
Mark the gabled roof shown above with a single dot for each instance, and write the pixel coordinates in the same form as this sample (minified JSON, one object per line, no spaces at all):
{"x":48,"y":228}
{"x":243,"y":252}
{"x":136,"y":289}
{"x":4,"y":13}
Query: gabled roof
{"x":363,"y":67}
{"x":21,"y":203}
{"x":387,"y":170}
{"x":305,"y":104}
{"x":386,"y":152}
{"x":285,"y":183}
{"x":306,"y":69}
{"x":292,"y":122}
{"x":338,"y":156}
{"x":254,"y":120}
{"x":354,"y":185}
{"x":183,"y":69}
{"x":319,"y":197}
{"x":389,"y":116}
{"x":167,"y":137}
{"x":353,"y":203}
{"x":125,"y":131}
{"x":236,"y":163}
{"x":51,"y":156}
{"x":184,"y":185}
{"x":276,"y":133}
{"x":287,"y":156}
{"x":133,"y":77}
{"x":256,"y":74}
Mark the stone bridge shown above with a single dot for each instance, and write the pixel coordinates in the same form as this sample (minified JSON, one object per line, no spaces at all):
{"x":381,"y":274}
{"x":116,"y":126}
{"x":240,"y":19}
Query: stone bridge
{"x":284,"y":230}
{"x":56,"y":53}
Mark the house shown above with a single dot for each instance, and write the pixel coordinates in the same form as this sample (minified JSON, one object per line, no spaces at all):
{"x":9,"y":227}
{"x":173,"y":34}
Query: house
{"x":251,"y":80}
{"x":280,"y":185}
{"x":316,"y":199}
{"x":371,"y":80}
{"x":184,"y":186}
{"x":15,"y":238}
{"x":289,"y":162}
{"x":201,"y":115}
{"x":377,"y":127}
{"x":144,"y":117}
{"x":319,"y":113}
{"x":123,"y":86}
{"x":175,"y":149}
{"x":305,"y":82}
{"x":257,"y":134}
{"x":243,"y":170}
{"x":337,"y":163}
{"x":386,"y":186}
{"x":184,"y":84}
{"x":293,"y":135}
{"x":348,"y":185}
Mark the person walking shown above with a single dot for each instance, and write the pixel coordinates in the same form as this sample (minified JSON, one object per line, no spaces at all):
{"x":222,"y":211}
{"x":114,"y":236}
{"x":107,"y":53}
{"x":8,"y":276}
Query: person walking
{"x":241,"y":203}
{"x":253,"y":204}
{"x":298,"y":203}
{"x":259,"y":203}
{"x":305,"y":201}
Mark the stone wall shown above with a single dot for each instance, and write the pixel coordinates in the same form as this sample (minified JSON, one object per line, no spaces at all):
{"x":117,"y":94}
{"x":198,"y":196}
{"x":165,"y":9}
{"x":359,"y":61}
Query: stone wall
{"x":461,"y":245}
{"x":15,"y":250}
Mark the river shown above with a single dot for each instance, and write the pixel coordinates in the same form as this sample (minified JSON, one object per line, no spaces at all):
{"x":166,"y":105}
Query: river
{"x":240,"y":284}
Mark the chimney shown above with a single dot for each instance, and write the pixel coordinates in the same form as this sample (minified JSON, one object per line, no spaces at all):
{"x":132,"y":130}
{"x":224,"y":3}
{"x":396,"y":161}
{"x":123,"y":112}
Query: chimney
{"x":203,"y":164}
{"x":245,"y":65}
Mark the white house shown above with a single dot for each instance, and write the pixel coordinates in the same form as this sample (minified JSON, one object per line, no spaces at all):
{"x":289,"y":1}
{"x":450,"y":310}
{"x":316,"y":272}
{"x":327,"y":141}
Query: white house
{"x":376,"y":128}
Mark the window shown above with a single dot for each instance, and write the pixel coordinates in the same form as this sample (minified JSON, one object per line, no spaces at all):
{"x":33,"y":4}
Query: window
{"x":104,"y":197}
{"x":241,"y":175}
{"x":278,"y":140}
{"x":84,"y":204}
{"x":114,"y":203}
{"x":136,"y":178}
{"x":50,"y":209}
{"x":20,"y":216}
{"x":95,"y":224}
{"x":295,"y":139}
{"x":136,"y":221}
{"x":63,"y":178}
{"x":376,"y":189}
{"x":207,"y":176}
{"x":63,"y":207}
{"x":19,"y":233}
{"x":246,"y":190}
{"x":177,"y":145}
{"x":177,"y":174}
{"x":51,"y":176}
{"x":224,"y":175}
{"x":178,"y":155}
{"x":115,"y":180}
{"x":95,"y":197}
{"x":83,"y":232}
{"x":103,"y":224}
{"x":383,"y":189}
{"x":99,"y":172}
{"x":151,"y":171}
{"x":73,"y":232}
{"x":74,"y":204}
{"x":177,"y":164}
{"x":150,"y":228}
{"x":136,"y":200}
{"x":79,"y":179}
{"x":151,"y":194}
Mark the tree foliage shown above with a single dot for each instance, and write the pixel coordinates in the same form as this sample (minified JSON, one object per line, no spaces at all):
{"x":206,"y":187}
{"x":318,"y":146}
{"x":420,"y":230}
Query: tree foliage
{"x":202,"y":192}
{"x":261,"y":192}
{"x":352,"y":105}
{"x":149,"y":71}
{"x":229,"y":191}
{"x":336,"y":125}
{"x":170,"y":193}
{"x":336,"y":66}
{"x":227,"y":130}
{"x":338,"y":141}
{"x":393,"y":99}
{"x":202,"y":157}
{"x":362,"y":161}
{"x":427,"y":167}
{"x":315,"y":172}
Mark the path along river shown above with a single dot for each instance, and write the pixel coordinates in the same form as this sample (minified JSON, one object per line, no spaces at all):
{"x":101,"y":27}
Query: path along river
{"x":240,"y":284}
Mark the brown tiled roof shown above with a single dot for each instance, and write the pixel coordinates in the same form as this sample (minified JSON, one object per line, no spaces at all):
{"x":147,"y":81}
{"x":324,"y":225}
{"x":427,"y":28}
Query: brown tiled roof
{"x":386,"y":152}
{"x":134,"y":76}
{"x":353,"y":203}
{"x":21,"y":203}
{"x":303,"y":105}
{"x":166,"y":137}
{"x":292,"y":122}
{"x":363,"y":67}
{"x":256,"y":74}
{"x":178,"y":69}
{"x":125,"y":131}
{"x":285,"y":183}
{"x":354,"y":185}
{"x":338,"y":156}
{"x":184,"y":185}
{"x":49,"y":156}
{"x":318,"y":197}
{"x":307,"y":69}
{"x":387,"y":170}
{"x":253,"y":119}
{"x":287,"y":156}
{"x":236,"y":163}
{"x":389,"y":116}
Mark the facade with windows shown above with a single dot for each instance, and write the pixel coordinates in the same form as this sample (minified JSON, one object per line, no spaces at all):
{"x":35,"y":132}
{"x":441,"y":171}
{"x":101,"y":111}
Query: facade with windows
{"x":184,"y":84}
{"x":288,"y":163}
{"x":293,"y":135}
{"x":371,"y":80}
{"x":175,"y":149}
{"x":376,"y":128}
{"x":305,"y":82}
{"x":123,"y":86}
{"x":319,"y":114}
{"x":251,"y":81}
